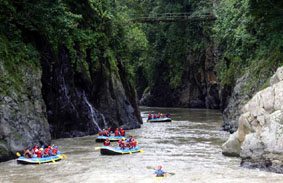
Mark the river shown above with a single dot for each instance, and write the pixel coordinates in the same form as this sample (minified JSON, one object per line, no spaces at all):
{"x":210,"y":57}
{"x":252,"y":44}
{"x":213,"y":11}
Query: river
{"x":189,"y":147}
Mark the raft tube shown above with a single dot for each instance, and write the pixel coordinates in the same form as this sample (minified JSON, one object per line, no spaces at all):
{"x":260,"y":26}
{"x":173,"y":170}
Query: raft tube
{"x":106,"y":150}
{"x":49,"y":159}
{"x":111,"y":138}
{"x":160,"y":120}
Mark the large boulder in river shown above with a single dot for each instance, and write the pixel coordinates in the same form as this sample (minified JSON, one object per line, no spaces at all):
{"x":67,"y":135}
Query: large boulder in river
{"x":259,"y":138}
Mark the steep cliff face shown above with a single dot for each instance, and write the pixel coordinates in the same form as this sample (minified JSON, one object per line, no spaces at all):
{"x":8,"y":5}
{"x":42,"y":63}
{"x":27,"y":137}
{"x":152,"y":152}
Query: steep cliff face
{"x":22,"y":110}
{"x":258,"y":140}
{"x":236,"y":101}
{"x":60,"y":75}
{"x":199,"y":87}
{"x":83,"y":96}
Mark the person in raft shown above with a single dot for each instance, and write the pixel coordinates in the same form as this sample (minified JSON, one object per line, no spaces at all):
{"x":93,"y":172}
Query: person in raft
{"x":168,"y":115}
{"x":159,"y":172}
{"x":37,"y":152}
{"x":149,"y":117}
{"x":133,"y":143}
{"x":122,"y":132}
{"x":154,"y":116}
{"x":106,"y":142}
{"x":104,"y":133}
{"x":109,"y":130}
{"x":28,"y":153}
{"x":121,"y":143}
{"x":158,"y":115}
{"x":117,"y":132}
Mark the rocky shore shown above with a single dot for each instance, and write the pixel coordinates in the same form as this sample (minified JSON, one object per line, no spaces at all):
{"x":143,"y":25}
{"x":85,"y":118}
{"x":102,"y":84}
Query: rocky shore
{"x":259,"y":138}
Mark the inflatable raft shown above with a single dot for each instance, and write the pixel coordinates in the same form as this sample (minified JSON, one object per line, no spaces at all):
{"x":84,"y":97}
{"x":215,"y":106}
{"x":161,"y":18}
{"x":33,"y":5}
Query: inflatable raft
{"x":160,"y":120}
{"x":111,"y":138}
{"x":106,"y":150}
{"x":49,"y":159}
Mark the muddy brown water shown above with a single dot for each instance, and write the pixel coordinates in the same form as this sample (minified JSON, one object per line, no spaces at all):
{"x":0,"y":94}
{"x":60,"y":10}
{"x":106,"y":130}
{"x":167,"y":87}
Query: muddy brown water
{"x":189,"y":147}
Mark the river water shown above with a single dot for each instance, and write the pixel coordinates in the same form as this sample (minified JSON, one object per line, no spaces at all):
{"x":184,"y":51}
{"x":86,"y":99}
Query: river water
{"x":189,"y":147}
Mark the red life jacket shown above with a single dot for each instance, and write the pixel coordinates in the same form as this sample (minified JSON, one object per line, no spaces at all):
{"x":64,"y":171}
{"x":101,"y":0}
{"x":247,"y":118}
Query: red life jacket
{"x":121,"y":143}
{"x":106,"y":143}
{"x":46,"y":151}
{"x":134,"y":143}
{"x":116,"y":133}
{"x":122,"y":132}
{"x":39,"y":153}
{"x":54,"y":151}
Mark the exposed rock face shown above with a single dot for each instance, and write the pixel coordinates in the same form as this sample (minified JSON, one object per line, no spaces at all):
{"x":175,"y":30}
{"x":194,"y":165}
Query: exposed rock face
{"x":236,"y":101}
{"x":259,"y":138}
{"x":22,"y":112}
{"x":76,"y":98}
{"x":199,"y":88}
{"x":82,"y":102}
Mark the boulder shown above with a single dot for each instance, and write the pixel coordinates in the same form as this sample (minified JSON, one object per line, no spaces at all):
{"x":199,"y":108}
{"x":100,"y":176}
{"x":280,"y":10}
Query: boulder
{"x":259,"y":138}
{"x":237,"y":100}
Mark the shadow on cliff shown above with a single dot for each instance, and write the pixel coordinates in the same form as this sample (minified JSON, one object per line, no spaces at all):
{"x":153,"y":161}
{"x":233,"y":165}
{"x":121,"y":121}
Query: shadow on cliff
{"x":81,"y":101}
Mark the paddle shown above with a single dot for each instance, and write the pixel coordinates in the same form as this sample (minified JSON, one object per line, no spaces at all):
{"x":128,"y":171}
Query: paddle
{"x":18,"y":154}
{"x":166,"y":173}
{"x":63,"y":156}
{"x":97,"y":148}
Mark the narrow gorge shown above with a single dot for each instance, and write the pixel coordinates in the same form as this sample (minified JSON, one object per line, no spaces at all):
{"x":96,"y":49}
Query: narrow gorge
{"x":71,"y":68}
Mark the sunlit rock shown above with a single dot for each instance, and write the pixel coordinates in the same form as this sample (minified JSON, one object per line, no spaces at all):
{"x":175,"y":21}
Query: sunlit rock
{"x":259,"y":138}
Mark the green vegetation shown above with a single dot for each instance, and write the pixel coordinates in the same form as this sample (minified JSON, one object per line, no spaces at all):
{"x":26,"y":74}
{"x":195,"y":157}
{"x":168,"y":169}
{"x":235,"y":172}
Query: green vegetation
{"x":250,"y":38}
{"x":94,"y":25}
{"x":247,"y":38}
{"x":248,"y":35}
{"x":161,"y":55}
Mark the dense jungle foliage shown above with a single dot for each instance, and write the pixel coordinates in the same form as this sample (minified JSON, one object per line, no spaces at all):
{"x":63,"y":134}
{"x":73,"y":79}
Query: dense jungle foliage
{"x":95,"y":25}
{"x":247,"y":36}
{"x":247,"y":39}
